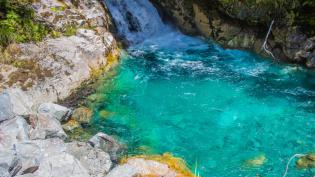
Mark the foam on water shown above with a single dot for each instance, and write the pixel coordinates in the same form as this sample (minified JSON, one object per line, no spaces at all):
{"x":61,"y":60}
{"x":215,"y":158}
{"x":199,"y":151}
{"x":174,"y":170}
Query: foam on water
{"x":135,"y":20}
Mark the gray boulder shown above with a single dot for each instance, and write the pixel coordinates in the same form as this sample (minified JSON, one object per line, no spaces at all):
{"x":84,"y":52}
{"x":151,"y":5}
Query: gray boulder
{"x":52,"y":146}
{"x":44,"y":126}
{"x":6,"y":110}
{"x":29,"y":155}
{"x":32,"y":153}
{"x":96,"y":161}
{"x":55,"y":111}
{"x":13,"y":131}
{"x":107,"y":144}
{"x":7,"y":158}
{"x":61,"y":165}
{"x":4,"y":172}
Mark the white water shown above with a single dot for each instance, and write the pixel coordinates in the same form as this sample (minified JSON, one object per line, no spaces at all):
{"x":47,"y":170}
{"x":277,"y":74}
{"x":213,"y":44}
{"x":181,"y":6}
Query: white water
{"x":136,"y":20}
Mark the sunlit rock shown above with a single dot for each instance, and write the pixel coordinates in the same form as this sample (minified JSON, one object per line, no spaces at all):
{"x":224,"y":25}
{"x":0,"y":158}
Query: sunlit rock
{"x":155,"y":165}
{"x":307,"y":161}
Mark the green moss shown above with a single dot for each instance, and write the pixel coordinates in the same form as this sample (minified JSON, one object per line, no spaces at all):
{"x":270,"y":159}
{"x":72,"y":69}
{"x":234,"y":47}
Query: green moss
{"x":55,"y":34}
{"x":260,"y":12}
{"x":70,"y":31}
{"x":58,"y":9}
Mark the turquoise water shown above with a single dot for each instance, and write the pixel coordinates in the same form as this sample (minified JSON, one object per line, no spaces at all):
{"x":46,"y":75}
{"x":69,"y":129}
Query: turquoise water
{"x":203,"y":103}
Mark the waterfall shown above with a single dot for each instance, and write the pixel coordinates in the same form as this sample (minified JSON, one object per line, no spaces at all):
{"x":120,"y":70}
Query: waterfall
{"x":136,"y":20}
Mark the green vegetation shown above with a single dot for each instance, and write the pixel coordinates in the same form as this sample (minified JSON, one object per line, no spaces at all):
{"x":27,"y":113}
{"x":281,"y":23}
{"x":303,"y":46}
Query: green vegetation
{"x":291,"y":12}
{"x":17,"y":23}
{"x":70,"y":30}
{"x":57,"y":9}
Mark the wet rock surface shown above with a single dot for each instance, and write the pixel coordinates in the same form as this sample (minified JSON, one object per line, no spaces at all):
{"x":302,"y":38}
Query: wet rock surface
{"x":242,"y":25}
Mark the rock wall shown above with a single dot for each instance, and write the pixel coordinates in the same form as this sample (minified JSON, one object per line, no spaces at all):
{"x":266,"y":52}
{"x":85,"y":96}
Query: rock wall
{"x":244,"y":25}
{"x":50,"y":70}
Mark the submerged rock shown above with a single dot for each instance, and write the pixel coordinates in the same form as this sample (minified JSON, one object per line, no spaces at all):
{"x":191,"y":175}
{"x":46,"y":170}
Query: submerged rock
{"x":307,"y":161}
{"x":46,"y":127}
{"x":96,"y":161}
{"x":107,"y":144}
{"x":55,"y":111}
{"x":71,"y":125}
{"x":83,"y":115}
{"x":256,"y":161}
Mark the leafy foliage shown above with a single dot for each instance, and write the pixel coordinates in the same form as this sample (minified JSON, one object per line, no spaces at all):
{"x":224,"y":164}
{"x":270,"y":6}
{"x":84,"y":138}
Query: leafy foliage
{"x":291,"y":12}
{"x":17,"y":23}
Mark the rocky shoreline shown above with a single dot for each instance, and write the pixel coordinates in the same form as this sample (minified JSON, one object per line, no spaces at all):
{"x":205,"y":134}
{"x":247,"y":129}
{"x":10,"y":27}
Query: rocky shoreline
{"x":35,"y":146}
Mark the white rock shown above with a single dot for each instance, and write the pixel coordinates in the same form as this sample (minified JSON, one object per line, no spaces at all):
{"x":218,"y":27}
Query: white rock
{"x":13,"y":131}
{"x":68,"y":61}
{"x":32,"y":153}
{"x":6,"y":110}
{"x":22,"y":103}
{"x":96,"y":161}
{"x":4,"y":172}
{"x":52,"y":146}
{"x":46,"y":127}
{"x":7,"y":156}
{"x":51,"y":110}
{"x":142,"y":167}
{"x":61,"y":165}
{"x":29,"y":155}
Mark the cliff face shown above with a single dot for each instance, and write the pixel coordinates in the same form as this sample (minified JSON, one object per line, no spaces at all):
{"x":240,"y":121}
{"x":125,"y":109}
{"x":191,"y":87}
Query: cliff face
{"x":244,"y":24}
{"x":78,"y":44}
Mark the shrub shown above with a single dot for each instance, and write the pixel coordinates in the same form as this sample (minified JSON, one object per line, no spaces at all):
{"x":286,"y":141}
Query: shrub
{"x":17,"y":23}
